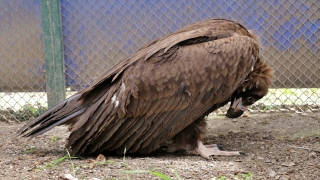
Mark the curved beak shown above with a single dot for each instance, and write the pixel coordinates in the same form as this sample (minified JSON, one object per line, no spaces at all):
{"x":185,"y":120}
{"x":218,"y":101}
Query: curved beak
{"x":236,"y":109}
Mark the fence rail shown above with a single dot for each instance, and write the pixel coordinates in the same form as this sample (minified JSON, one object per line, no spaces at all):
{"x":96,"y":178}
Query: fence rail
{"x":98,"y":34}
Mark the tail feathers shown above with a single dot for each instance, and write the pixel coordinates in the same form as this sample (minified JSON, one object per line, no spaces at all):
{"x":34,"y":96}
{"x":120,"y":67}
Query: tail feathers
{"x":42,"y":128}
{"x":57,"y":115}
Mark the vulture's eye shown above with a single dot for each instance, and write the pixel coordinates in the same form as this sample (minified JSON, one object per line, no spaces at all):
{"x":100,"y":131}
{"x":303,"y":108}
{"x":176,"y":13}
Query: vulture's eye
{"x":250,"y":99}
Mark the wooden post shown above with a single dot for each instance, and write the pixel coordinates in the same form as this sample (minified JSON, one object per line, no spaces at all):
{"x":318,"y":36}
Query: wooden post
{"x":53,"y":51}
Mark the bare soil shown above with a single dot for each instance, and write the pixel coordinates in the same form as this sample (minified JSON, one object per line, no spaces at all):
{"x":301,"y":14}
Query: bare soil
{"x":277,"y":146}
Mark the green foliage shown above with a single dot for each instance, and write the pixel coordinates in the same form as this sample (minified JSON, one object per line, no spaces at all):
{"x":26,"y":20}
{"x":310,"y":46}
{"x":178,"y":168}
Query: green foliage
{"x":58,"y":161}
{"x":240,"y":177}
{"x":27,"y":112}
{"x":72,"y":165}
{"x":220,"y":178}
{"x":246,"y":176}
{"x":30,"y":149}
{"x":124,"y":154}
{"x":32,"y":111}
{"x":54,"y":138}
{"x":155,"y":173}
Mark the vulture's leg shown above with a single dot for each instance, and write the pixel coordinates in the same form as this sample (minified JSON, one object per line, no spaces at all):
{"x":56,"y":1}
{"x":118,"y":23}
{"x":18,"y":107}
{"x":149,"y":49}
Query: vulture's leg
{"x":190,"y":139}
{"x":218,"y":146}
{"x":211,"y":151}
{"x":215,"y":146}
{"x":187,"y":139}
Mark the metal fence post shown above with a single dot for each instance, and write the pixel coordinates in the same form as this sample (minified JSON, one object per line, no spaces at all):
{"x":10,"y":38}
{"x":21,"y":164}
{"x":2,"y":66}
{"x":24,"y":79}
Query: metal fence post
{"x":53,"y":51}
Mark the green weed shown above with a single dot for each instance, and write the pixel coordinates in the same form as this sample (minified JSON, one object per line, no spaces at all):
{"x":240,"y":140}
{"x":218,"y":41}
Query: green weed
{"x":246,"y":176}
{"x":30,"y":149}
{"x":54,"y":138}
{"x":155,"y":173}
{"x":54,"y":163}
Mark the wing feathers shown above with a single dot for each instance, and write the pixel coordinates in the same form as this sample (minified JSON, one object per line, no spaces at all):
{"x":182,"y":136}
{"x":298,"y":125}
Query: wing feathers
{"x":154,"y":94}
{"x":53,"y":116}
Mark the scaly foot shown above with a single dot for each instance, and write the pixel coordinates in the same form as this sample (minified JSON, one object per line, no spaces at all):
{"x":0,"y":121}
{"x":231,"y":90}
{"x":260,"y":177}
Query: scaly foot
{"x":209,"y":150}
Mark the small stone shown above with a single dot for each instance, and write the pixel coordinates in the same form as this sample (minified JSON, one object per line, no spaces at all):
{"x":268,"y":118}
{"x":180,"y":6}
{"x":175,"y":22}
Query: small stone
{"x":313,"y":155}
{"x":272,"y":174}
{"x":283,"y":178}
{"x":288,"y":164}
{"x":267,"y":161}
{"x":290,"y":171}
{"x":310,"y":164}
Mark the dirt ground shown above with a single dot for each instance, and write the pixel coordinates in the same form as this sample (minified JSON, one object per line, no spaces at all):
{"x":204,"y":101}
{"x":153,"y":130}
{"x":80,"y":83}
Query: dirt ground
{"x":277,"y":146}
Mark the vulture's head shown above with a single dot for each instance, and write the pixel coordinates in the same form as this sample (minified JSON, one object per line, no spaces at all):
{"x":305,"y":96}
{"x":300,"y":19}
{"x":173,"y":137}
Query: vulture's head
{"x":254,"y":87}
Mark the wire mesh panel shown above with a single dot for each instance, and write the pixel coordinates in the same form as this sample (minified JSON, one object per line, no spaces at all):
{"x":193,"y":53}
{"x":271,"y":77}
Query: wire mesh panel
{"x":98,"y":34}
{"x":22,"y":70}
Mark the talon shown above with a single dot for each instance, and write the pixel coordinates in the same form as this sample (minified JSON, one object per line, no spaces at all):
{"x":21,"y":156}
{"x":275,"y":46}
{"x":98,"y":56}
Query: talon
{"x":242,"y":153}
{"x":220,"y":146}
{"x":207,"y":151}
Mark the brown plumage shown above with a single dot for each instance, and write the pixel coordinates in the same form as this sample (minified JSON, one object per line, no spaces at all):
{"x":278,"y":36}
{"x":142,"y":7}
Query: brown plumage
{"x":163,"y":92}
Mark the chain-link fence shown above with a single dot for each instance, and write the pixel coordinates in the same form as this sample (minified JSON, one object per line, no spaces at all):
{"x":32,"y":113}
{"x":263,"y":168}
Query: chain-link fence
{"x":22,"y":71}
{"x":98,"y":34}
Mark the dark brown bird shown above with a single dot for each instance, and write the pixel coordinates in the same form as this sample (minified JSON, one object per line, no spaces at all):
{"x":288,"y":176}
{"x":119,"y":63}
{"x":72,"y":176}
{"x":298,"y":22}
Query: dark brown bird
{"x":163,"y":92}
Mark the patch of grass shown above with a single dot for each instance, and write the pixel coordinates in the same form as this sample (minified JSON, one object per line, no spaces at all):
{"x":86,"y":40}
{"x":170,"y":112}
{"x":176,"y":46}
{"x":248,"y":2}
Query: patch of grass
{"x":304,"y":134}
{"x":220,"y":178}
{"x":315,"y":90}
{"x":124,"y":154}
{"x":54,"y":163}
{"x":54,"y":138}
{"x":30,"y":149}
{"x":26,"y":112}
{"x":176,"y":173}
{"x":289,"y":92}
{"x":220,"y":116}
{"x":266,"y":108}
{"x":72,"y":165}
{"x":33,"y":111}
{"x":245,"y":176}
{"x":124,"y":158}
{"x":104,"y":163}
{"x":155,"y":173}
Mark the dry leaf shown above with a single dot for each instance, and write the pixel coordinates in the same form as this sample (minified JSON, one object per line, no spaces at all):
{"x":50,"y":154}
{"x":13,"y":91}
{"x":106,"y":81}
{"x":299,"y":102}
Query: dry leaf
{"x":101,"y":158}
{"x":90,"y":160}
{"x":92,"y":165}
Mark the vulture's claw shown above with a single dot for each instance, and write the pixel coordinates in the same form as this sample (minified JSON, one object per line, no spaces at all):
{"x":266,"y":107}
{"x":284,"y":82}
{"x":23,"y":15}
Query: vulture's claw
{"x":242,"y":153}
{"x":207,"y":151}
{"x":220,"y":147}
